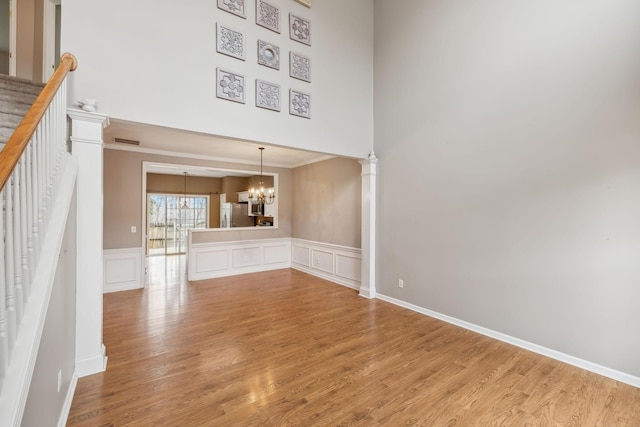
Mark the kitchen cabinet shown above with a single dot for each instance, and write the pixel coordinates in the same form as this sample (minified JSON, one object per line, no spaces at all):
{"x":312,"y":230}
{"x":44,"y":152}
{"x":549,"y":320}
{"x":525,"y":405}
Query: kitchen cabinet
{"x":243,"y":196}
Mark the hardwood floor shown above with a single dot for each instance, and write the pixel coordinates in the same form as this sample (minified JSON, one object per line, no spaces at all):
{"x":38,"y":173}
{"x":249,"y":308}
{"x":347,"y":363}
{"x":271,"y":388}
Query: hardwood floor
{"x":285,"y":348}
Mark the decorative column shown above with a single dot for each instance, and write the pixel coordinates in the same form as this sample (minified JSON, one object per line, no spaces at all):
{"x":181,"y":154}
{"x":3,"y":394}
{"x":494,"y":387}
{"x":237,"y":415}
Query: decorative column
{"x":86,"y":147}
{"x":368,"y":263}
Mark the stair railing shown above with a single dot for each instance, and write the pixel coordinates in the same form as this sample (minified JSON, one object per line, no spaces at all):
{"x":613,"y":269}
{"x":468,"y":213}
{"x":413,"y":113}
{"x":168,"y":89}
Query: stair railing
{"x":29,"y":169}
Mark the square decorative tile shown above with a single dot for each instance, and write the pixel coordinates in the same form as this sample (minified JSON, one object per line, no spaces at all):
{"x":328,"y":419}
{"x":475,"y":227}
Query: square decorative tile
{"x":268,"y":15}
{"x":230,"y":42}
{"x":230,"y":86}
{"x":233,"y":6}
{"x":299,"y":104}
{"x":299,"y":66}
{"x":299,"y":29}
{"x":267,"y":95}
{"x":268,"y":55}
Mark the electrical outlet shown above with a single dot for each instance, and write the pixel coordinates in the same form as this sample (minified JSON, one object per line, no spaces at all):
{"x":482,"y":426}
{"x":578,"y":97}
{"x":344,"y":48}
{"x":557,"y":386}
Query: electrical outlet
{"x":59,"y":380}
{"x":401,"y":283}
{"x":133,"y":228}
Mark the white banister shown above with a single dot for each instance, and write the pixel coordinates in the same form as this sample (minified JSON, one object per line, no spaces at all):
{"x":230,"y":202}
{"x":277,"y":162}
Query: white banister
{"x":4,"y":338}
{"x":26,"y":202}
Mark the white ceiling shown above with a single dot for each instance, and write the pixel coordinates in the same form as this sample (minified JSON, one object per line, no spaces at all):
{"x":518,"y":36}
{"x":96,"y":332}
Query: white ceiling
{"x":161,"y":140}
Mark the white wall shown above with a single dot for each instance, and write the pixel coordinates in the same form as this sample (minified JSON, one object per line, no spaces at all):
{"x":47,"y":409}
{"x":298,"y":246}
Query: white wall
{"x":155,"y":62}
{"x":509,"y":142}
{"x":56,"y":354}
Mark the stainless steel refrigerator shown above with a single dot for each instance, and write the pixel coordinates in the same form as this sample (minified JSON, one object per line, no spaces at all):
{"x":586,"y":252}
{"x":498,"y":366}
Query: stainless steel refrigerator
{"x":239,"y":215}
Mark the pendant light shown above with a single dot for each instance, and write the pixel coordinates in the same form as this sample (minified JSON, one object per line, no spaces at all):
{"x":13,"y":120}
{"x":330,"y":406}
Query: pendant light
{"x":184,"y":205}
{"x":258,"y":195}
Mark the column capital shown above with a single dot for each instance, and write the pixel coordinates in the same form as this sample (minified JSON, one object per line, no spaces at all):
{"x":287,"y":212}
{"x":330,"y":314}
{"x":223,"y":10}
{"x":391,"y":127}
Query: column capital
{"x":87,"y":116}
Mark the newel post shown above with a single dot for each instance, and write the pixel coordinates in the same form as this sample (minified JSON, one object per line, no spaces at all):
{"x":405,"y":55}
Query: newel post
{"x":86,"y":147}
{"x":368,"y":263}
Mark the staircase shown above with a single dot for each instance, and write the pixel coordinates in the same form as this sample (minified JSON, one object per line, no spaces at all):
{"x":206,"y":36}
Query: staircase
{"x":37,"y":185}
{"x":16,"y":97}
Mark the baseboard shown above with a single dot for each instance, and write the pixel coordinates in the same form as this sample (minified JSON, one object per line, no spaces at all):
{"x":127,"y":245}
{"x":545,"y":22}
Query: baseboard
{"x":338,"y":264}
{"x":66,"y":407}
{"x":328,"y":277}
{"x":92,"y":365}
{"x":123,"y":269}
{"x":544,"y":351}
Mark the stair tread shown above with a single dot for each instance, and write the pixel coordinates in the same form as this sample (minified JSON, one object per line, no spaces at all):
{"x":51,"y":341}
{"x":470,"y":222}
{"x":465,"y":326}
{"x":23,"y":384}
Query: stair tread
{"x":14,"y":86}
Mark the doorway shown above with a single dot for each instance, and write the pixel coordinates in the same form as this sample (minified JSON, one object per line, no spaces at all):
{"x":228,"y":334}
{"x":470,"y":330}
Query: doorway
{"x":169,"y":218}
{"x":5,"y":36}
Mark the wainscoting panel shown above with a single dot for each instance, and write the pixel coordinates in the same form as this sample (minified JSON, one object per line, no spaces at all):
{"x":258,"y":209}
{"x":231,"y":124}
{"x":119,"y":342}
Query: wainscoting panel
{"x":348,"y":267}
{"x":221,"y":259}
{"x":247,"y":257}
{"x":301,"y":255}
{"x":123,"y":269}
{"x":211,"y":260}
{"x":339,"y":264}
{"x":275,"y":254}
{"x":322,"y":260}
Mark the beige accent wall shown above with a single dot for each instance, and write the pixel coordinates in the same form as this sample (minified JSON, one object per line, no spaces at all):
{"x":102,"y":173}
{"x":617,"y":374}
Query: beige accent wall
{"x":508,"y":138}
{"x":195,"y":185}
{"x":123,"y":200}
{"x":326,"y":202}
{"x":232,"y":185}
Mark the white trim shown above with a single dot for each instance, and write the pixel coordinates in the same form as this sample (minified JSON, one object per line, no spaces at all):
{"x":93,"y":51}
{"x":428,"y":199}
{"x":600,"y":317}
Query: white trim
{"x":25,"y":352}
{"x":49,"y":39}
{"x":13,"y":36}
{"x":368,"y":227}
{"x":123,"y":269}
{"x":553,"y":354}
{"x":89,"y":117}
{"x":138,"y":149}
{"x":92,"y":365}
{"x":222,"y":259}
{"x":66,"y":406}
{"x":324,"y":260}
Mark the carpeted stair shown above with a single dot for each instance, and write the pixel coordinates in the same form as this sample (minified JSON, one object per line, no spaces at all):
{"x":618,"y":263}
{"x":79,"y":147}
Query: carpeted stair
{"x":16,"y":97}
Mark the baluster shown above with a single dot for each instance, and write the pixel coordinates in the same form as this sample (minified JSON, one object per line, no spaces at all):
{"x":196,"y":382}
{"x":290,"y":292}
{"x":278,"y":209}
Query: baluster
{"x":42,"y":190}
{"x":29,"y":209}
{"x":17,"y":245}
{"x":47,"y":173}
{"x":35,"y":203}
{"x":9,"y":266}
{"x":4,"y":339}
{"x":24,"y":229}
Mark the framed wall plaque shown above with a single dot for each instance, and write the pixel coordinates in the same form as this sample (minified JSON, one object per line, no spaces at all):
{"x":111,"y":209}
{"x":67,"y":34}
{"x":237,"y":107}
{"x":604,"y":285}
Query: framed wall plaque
{"x":299,"y":104}
{"x":299,"y":29}
{"x":268,"y":55}
{"x":230,"y":86}
{"x":299,"y":66}
{"x":268,"y":15}
{"x":229,"y":41}
{"x":267,"y":95}
{"x":233,"y":6}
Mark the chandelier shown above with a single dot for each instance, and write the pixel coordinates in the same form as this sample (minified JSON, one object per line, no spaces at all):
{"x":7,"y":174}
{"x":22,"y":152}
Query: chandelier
{"x":258,"y":195}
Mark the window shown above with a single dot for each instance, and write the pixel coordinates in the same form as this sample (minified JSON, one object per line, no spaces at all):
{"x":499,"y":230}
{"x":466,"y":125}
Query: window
{"x":169,"y":217}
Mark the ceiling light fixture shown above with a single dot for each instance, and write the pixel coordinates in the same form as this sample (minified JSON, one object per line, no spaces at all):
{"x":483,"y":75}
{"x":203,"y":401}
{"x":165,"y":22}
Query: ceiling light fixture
{"x":258,"y":195}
